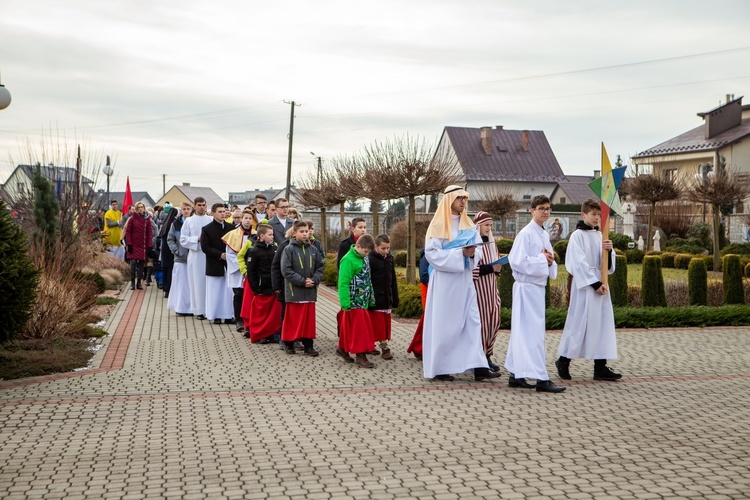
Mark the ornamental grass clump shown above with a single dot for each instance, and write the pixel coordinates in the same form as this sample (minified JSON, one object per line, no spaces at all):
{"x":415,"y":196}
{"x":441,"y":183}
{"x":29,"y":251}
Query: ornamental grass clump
{"x":732,"y":280}
{"x":652,"y":282}
{"x":698,"y":282}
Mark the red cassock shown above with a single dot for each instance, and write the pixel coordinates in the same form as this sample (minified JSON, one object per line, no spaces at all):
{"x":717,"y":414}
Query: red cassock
{"x":265,"y":318}
{"x":247,"y":303}
{"x":299,"y":321}
{"x":381,"y":325}
{"x":416,"y":342}
{"x":356,"y":331}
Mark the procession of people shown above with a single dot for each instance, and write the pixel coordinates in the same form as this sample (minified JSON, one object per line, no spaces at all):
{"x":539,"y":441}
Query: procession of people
{"x":260,"y":272}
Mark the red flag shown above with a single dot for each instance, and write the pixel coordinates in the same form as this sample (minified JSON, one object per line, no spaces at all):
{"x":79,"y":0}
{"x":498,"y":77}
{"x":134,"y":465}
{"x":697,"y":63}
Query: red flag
{"x":128,"y":199}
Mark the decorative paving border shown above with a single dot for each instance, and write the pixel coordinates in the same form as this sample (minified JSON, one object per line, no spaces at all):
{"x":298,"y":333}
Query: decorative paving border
{"x":114,"y":358}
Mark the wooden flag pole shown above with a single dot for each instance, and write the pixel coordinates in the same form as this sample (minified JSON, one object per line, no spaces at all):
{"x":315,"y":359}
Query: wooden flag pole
{"x":605,"y":236}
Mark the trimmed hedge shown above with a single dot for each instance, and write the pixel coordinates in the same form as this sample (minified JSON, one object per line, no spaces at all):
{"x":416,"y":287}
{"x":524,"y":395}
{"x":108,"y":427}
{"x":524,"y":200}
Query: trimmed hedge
{"x":409,"y":301}
{"x":504,"y":245}
{"x":634,"y":256}
{"x":747,"y":271}
{"x":655,"y":317}
{"x":732,"y":280}
{"x":682,"y":260}
{"x":561,"y":248}
{"x":618,"y":282}
{"x":330,"y":273}
{"x":620,"y":241}
{"x":505,"y":286}
{"x":736,"y":248}
{"x":652,"y":282}
{"x":698,"y":282}
{"x":667,"y":259}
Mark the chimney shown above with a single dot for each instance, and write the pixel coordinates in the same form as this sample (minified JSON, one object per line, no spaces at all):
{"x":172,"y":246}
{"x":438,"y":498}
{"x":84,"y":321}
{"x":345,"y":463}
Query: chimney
{"x":498,"y":127}
{"x":486,"y":135}
{"x":186,"y":184}
{"x":722,"y":118}
{"x":525,"y":140}
{"x":597,"y":174}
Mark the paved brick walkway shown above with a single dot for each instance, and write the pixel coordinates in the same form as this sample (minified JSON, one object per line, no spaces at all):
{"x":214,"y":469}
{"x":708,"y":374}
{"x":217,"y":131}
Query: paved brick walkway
{"x":183,"y":408}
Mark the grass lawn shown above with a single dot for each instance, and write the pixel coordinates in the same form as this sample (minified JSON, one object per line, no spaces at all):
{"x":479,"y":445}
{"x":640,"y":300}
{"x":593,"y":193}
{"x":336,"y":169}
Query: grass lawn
{"x":31,"y":358}
{"x":634,"y":274}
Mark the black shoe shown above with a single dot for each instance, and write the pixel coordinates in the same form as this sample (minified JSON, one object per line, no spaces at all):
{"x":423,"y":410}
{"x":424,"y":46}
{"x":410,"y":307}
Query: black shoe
{"x":444,"y":378}
{"x":201,"y":317}
{"x":484,"y":374}
{"x":519,"y":382}
{"x":166,"y":295}
{"x":217,"y":321}
{"x":132,"y":286}
{"x":184,"y":314}
{"x":289,"y":349}
{"x":246,"y":335}
{"x":240,"y":326}
{"x":418,"y":356}
{"x":311,"y":352}
{"x":493,"y":367}
{"x":230,"y":321}
{"x":138,"y":286}
{"x":267,"y":340}
{"x":605,"y":373}
{"x":548,"y":386}
{"x":562,"y":369}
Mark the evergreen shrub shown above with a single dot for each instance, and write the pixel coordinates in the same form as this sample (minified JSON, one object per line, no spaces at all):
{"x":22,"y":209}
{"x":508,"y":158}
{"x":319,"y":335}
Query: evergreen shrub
{"x":505,"y":286}
{"x":634,"y":256}
{"x":652,"y":282}
{"x":409,"y":301}
{"x":504,"y":245}
{"x":618,"y":282}
{"x":561,"y":247}
{"x":667,"y":259}
{"x":698,"y":282}
{"x":400,"y":258}
{"x":18,"y":278}
{"x":620,"y":241}
{"x":330,"y":273}
{"x":736,"y":248}
{"x":747,"y":270}
{"x":732,"y":280}
{"x":682,"y":260}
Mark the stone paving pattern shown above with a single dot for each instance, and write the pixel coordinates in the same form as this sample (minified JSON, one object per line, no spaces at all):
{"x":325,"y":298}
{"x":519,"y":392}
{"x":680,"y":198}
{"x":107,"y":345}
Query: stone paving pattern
{"x":194,"y":411}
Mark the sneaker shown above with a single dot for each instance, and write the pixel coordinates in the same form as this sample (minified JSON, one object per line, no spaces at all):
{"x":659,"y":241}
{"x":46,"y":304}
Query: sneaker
{"x":563,"y":369}
{"x":386,"y":354}
{"x":344,"y":355}
{"x":311,"y":352}
{"x":606,"y":373}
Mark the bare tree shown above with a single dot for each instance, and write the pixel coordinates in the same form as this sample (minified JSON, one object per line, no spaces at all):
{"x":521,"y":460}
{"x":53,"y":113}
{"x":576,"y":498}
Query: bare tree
{"x":724,"y":188}
{"x":407,"y":167}
{"x":343,"y":181}
{"x":652,"y":188}
{"x":321,"y":192}
{"x":498,"y":202}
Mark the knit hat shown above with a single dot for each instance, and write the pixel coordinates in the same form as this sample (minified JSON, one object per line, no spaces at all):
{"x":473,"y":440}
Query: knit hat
{"x":481,"y":217}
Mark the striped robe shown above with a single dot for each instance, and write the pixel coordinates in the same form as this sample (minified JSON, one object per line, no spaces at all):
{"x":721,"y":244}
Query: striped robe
{"x":488,"y":299}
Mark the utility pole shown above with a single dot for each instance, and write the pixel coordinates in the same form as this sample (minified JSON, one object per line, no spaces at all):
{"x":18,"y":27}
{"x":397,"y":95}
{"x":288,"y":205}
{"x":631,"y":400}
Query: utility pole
{"x":291,"y":141}
{"x":163,"y":184}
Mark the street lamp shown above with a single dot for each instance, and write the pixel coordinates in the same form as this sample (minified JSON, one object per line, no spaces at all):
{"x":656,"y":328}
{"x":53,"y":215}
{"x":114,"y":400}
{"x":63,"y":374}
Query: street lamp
{"x":705,"y":172}
{"x":320,"y":168}
{"x":108,"y":170}
{"x":4,"y":96}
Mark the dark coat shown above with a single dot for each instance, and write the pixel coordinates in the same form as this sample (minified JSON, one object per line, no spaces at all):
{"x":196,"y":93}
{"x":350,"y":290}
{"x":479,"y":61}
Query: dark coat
{"x":213,"y":247}
{"x":138,"y":237}
{"x":277,"y":279}
{"x":279,"y":229}
{"x":424,"y":269}
{"x":344,"y":247}
{"x":259,"y":260}
{"x":384,"y":282}
{"x":299,"y":261}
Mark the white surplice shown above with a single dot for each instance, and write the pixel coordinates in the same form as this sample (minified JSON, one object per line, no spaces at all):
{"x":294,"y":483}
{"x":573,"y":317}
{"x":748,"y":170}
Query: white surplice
{"x":179,"y":292}
{"x":233,"y":274}
{"x":590,"y":326}
{"x":526,"y":356}
{"x":452,"y":340}
{"x":196,"y":261}
{"x":219,"y":298}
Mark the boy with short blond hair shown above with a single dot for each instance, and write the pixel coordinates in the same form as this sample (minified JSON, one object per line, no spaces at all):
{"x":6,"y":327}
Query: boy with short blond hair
{"x":590,"y":326}
{"x":385,"y":287}
{"x":356,"y":296}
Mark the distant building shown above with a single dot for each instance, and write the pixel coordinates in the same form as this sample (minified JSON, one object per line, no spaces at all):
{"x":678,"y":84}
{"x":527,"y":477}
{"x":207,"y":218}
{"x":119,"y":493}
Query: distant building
{"x":573,"y":190}
{"x":177,"y":194}
{"x":244,"y":198}
{"x":101,"y":202}
{"x":517,"y":161}
{"x":20,"y":182}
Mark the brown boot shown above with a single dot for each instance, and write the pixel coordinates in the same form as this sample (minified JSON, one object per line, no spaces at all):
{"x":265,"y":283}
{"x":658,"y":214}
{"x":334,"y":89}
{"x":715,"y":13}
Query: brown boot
{"x":386,"y":353}
{"x":363,"y":362}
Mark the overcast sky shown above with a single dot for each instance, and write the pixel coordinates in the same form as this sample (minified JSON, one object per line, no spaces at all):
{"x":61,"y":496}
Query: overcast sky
{"x":195,"y":90}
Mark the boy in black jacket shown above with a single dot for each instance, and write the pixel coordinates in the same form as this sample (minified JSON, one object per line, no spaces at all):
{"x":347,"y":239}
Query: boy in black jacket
{"x":386,"y":292}
{"x":265,"y":318}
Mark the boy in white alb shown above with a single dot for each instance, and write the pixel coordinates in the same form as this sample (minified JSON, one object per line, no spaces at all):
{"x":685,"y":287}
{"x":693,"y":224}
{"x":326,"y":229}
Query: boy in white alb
{"x":533,"y":263}
{"x":590,"y":326}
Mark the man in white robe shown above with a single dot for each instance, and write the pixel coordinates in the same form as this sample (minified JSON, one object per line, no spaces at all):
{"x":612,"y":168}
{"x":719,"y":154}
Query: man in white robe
{"x":532,"y":261}
{"x":452,"y":330}
{"x":590,"y":326}
{"x":196,"y":262}
{"x":219,"y":304}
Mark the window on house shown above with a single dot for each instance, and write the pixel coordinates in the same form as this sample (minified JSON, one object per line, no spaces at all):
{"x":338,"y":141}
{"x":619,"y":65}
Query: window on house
{"x":562,"y":200}
{"x":670,"y":173}
{"x":527,"y":197}
{"x":21,"y":188}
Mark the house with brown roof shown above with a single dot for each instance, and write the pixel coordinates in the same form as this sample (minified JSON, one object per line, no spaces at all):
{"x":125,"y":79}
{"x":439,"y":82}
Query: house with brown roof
{"x":519,"y":161}
{"x":177,"y":194}
{"x":725,"y":132}
{"x":573,"y":190}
